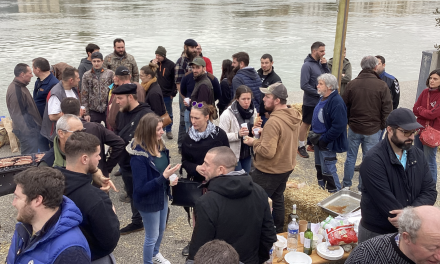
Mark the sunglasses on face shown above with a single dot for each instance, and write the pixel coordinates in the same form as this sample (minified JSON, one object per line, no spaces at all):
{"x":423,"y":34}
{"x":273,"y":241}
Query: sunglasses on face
{"x":199,"y":105}
{"x":408,"y":133}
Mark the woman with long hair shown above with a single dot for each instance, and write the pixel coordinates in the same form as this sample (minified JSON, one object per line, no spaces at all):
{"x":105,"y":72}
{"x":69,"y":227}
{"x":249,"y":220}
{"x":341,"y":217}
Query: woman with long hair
{"x":153,"y":92}
{"x":427,"y":111}
{"x":226,"y":85}
{"x":241,"y":111}
{"x":150,"y":163}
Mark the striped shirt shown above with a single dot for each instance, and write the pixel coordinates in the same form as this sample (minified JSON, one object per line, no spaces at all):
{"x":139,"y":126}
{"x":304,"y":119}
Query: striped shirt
{"x":182,"y":68}
{"x":378,"y":250}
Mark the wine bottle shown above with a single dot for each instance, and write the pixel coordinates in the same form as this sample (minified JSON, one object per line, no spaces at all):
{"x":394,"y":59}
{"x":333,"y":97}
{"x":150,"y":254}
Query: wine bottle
{"x":308,"y":238}
{"x":293,"y":215}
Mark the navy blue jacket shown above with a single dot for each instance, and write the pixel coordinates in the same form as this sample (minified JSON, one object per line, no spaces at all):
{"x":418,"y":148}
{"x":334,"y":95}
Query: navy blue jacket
{"x":148,"y":182}
{"x":310,"y":71}
{"x":393,"y":84}
{"x":41,"y":90}
{"x":187,"y":86}
{"x":248,"y":76}
{"x":335,"y":121}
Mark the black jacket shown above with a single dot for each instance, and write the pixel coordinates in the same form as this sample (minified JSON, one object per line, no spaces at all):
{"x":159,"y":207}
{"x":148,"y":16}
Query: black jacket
{"x":226,"y":98}
{"x":126,"y":123}
{"x":154,"y":98}
{"x":165,"y":77}
{"x":267,"y":80}
{"x":193,"y":153}
{"x":100,"y":224}
{"x":106,"y":137}
{"x":235,"y":210}
{"x":386,"y":186}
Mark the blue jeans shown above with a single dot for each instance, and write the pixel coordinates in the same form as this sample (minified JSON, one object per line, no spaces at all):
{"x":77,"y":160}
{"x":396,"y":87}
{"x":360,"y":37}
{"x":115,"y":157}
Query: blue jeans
{"x":244,"y":164}
{"x":354,"y":140}
{"x":430,"y":156}
{"x":187,"y":120}
{"x":169,"y":106}
{"x":154,"y":224}
{"x":327,"y":173}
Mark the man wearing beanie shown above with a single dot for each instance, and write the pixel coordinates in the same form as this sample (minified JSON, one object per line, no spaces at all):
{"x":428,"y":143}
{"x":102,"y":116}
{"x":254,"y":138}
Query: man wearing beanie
{"x":165,"y":78}
{"x":395,"y":175}
{"x":94,"y":92}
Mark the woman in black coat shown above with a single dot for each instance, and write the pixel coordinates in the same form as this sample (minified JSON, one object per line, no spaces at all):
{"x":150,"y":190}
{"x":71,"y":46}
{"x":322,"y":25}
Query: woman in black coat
{"x":153,"y":92}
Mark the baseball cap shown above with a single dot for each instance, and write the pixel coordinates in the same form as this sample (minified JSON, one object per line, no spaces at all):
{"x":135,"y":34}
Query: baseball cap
{"x":278,"y":89}
{"x":198,"y":61}
{"x":404,"y":118}
{"x":122,"y":70}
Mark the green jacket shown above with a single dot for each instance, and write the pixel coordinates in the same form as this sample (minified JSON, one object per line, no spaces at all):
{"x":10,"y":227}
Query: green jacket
{"x":346,"y":69}
{"x":113,"y":61}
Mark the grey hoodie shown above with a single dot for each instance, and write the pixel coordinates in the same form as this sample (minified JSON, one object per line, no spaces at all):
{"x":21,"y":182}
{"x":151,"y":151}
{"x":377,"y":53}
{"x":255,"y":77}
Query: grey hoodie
{"x":84,"y":66}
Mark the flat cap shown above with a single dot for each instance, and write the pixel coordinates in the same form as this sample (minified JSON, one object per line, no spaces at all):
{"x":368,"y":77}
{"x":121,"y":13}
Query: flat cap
{"x":191,"y":42}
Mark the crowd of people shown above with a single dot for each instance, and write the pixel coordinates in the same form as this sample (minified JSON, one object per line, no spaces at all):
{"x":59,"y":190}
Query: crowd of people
{"x":241,"y":150}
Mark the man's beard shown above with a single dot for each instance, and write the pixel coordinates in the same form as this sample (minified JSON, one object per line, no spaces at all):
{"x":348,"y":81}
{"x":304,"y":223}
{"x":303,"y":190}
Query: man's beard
{"x":91,"y":169}
{"x":124,"y":109}
{"x":190,"y":55}
{"x":120,"y":54}
{"x":405,"y":145}
{"x":269,"y":108}
{"x":26,"y":214}
{"x":235,"y":70}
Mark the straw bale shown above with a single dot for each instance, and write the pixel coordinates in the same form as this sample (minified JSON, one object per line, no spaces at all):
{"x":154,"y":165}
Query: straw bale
{"x":305,"y":199}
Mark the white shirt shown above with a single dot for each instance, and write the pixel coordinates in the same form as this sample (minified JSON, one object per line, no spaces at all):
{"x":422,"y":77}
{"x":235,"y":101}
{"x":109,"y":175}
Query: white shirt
{"x":54,"y":104}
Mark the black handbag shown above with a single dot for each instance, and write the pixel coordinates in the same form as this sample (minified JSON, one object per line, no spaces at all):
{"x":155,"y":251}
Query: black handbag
{"x":186,"y":192}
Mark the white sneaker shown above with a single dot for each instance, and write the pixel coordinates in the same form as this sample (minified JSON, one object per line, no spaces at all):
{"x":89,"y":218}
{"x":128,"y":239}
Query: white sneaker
{"x":159,"y":259}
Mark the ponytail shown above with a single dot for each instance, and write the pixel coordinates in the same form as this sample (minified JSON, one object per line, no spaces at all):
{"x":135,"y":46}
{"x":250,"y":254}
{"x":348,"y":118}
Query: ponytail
{"x":150,"y":69}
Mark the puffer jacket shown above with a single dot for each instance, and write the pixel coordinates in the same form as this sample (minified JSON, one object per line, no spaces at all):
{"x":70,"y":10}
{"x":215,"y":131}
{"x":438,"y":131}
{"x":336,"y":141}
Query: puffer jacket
{"x":113,"y":61}
{"x":94,"y":91}
{"x":248,"y":76}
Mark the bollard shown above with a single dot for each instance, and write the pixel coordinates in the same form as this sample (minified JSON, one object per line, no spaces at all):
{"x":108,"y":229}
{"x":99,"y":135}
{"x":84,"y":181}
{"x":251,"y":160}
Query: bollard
{"x":430,"y":62}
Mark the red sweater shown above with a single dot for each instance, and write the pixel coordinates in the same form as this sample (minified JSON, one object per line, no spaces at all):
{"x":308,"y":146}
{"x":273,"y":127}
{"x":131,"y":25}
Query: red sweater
{"x":432,"y":113}
{"x":208,"y":65}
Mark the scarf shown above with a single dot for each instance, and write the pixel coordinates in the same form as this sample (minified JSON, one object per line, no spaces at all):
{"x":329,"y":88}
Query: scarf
{"x":148,"y":84}
{"x":197,"y":136}
{"x":246,"y":113}
{"x":60,"y":160}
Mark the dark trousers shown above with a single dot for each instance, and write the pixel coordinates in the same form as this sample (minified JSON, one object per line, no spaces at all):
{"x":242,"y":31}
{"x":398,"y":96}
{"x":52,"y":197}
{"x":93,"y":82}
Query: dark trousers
{"x":274,"y":185}
{"x":128,"y":186}
{"x":97,"y":117}
{"x":182,"y":130}
{"x":28,"y":144}
{"x":168,"y":100}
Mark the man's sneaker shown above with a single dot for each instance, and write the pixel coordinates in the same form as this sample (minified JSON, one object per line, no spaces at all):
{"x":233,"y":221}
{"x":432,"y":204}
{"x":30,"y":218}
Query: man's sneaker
{"x":303,"y":152}
{"x":310,"y":148}
{"x":357,"y":167}
{"x":123,"y":197}
{"x":169,"y":136}
{"x":130,"y":228}
{"x":159,"y":259}
{"x":185,"y":250}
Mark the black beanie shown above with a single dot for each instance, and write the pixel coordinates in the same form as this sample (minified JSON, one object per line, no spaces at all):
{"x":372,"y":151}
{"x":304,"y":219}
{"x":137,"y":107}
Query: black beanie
{"x":161,"y":51}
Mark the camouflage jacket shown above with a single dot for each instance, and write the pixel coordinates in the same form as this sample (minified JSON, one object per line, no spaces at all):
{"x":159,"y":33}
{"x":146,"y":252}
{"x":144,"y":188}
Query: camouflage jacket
{"x":112,"y":62}
{"x":94,"y":90}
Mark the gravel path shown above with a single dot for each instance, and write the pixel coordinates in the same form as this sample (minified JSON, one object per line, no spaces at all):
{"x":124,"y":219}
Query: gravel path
{"x":178,"y":232}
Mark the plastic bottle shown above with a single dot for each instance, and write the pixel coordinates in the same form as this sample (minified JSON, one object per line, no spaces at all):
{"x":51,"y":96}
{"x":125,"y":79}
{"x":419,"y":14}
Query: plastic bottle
{"x":292,"y":235}
{"x":270,"y":260}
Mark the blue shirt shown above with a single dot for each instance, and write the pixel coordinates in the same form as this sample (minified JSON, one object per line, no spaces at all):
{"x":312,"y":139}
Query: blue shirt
{"x":318,"y":125}
{"x":403,"y":159}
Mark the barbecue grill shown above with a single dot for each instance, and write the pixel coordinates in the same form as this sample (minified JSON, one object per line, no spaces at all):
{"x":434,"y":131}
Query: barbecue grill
{"x":7,"y":184}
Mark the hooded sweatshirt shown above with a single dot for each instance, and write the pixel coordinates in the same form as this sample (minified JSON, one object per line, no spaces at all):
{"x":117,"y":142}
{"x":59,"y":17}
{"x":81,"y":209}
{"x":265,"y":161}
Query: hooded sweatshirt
{"x":310,"y":72}
{"x":100,"y":224}
{"x":249,"y":77}
{"x":84,"y":66}
{"x":220,"y":213}
{"x":275,"y":151}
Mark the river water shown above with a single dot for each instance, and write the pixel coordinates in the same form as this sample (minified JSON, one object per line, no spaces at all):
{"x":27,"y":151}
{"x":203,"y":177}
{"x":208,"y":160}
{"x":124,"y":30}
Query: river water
{"x":59,"y":30}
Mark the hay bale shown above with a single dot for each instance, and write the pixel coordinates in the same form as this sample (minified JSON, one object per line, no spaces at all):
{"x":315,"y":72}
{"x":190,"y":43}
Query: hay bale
{"x":305,"y":199}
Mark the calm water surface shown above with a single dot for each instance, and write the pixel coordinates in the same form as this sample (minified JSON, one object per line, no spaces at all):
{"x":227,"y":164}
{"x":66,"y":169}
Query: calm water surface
{"x":59,"y":30}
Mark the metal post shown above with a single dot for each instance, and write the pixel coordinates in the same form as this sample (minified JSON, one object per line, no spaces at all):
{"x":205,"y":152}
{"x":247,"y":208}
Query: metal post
{"x":341,"y":31}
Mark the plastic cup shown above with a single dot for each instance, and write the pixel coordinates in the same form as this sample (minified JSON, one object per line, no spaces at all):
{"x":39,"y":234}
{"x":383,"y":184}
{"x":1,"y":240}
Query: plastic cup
{"x":173,"y":177}
{"x":83,"y":107}
{"x":244,"y":125}
{"x":303,"y":225}
{"x":256,"y":133}
{"x":301,"y":236}
{"x":187,"y":100}
{"x":279,"y":247}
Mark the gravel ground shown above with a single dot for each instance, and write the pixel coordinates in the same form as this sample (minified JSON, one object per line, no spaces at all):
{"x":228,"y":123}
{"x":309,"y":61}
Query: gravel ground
{"x":178,"y":232}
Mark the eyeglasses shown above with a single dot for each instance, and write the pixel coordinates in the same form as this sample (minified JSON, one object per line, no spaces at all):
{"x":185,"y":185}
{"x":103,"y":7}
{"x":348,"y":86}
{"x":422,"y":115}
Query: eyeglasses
{"x":407,"y":133}
{"x":199,"y":105}
{"x":81,"y":130}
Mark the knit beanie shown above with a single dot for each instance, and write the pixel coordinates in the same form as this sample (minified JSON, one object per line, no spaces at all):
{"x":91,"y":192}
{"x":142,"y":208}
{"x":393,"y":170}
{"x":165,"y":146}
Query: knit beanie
{"x":161,"y":51}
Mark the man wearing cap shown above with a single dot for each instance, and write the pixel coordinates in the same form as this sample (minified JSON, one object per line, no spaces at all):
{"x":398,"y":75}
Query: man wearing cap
{"x":121,"y":58}
{"x":130,"y":112}
{"x":395,"y":175}
{"x":182,"y":68}
{"x":94,"y":91}
{"x":203,"y":91}
{"x":122,"y":76}
{"x":165,"y":78}
{"x":275,"y":150}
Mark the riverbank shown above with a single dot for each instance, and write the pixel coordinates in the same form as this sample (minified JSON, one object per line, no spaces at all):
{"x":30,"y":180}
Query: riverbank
{"x":178,"y":232}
